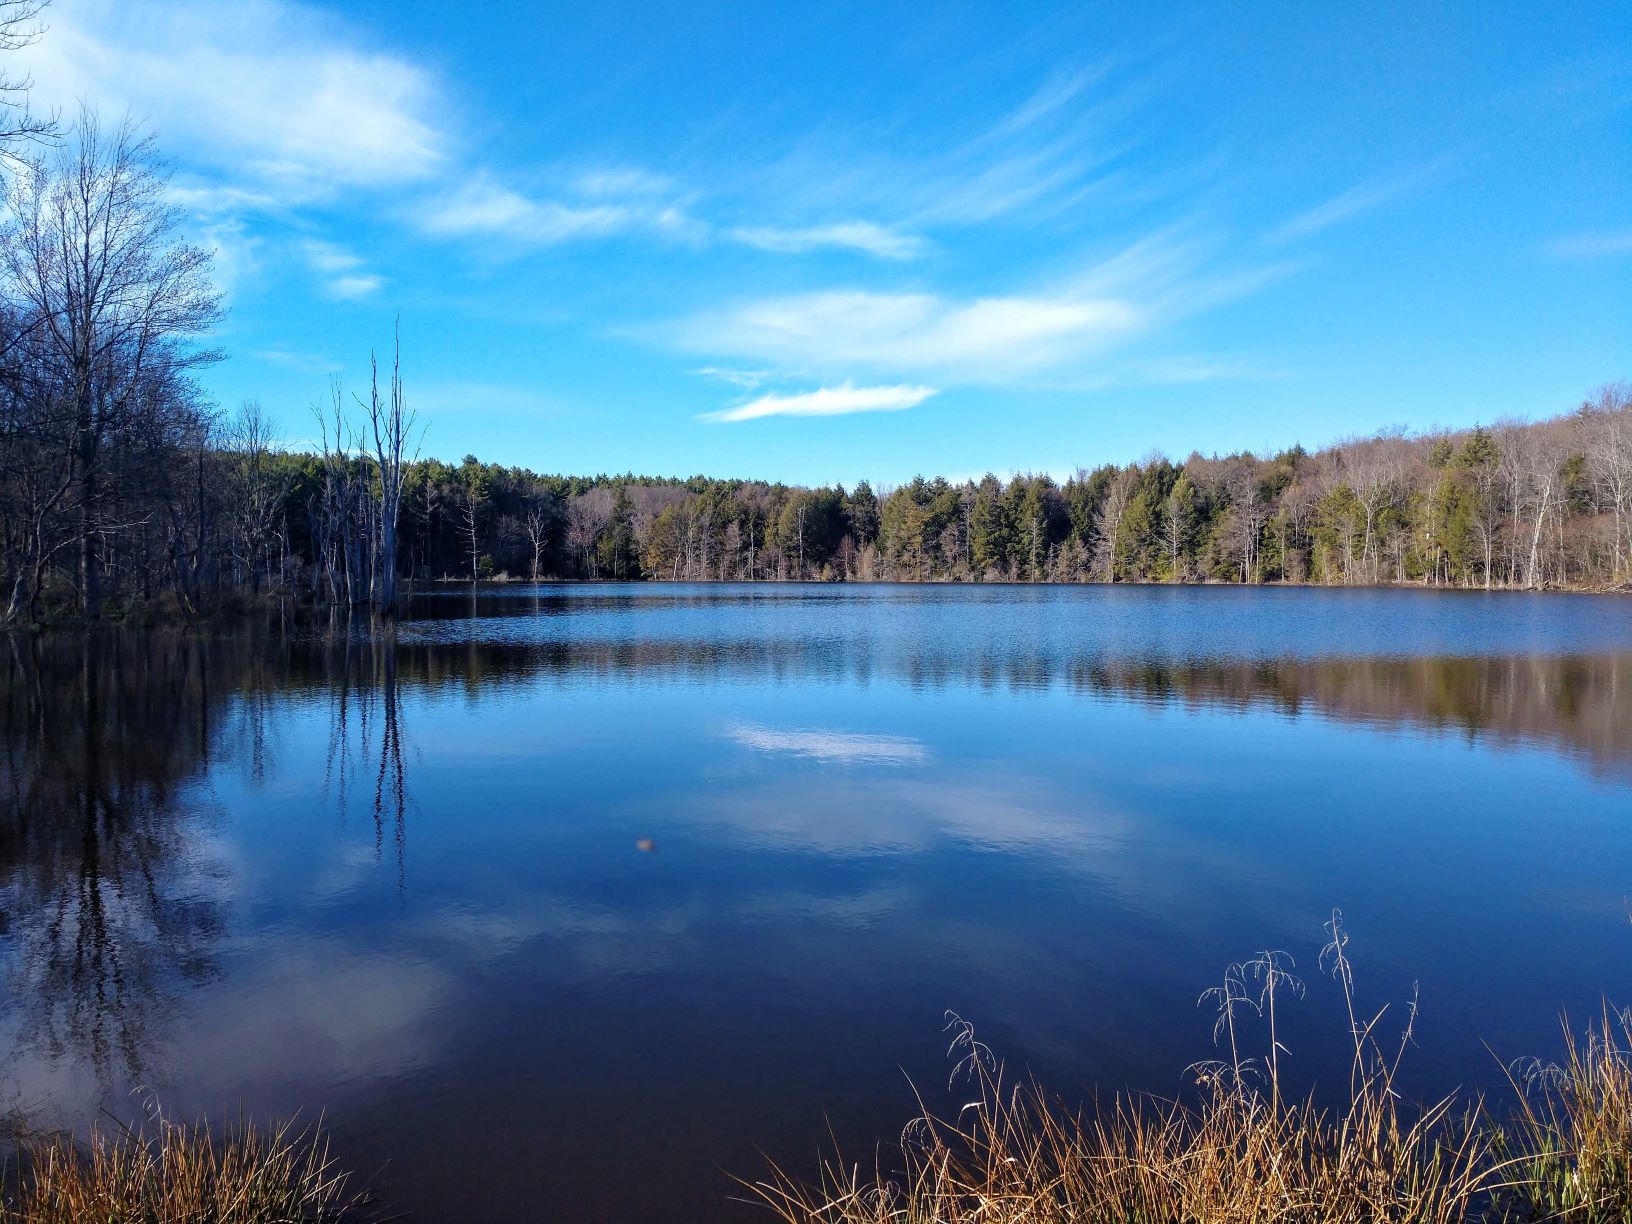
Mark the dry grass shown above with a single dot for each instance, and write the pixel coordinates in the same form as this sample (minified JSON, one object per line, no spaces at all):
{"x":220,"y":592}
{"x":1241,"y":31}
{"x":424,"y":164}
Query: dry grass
{"x":1243,"y":1152}
{"x":179,"y":1174}
{"x":1569,"y":1150}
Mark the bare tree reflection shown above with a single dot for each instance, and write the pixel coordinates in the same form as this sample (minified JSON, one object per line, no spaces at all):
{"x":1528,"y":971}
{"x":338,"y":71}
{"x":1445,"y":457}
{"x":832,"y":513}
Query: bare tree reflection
{"x":365,"y":744}
{"x":111,"y":902}
{"x":107,"y":895}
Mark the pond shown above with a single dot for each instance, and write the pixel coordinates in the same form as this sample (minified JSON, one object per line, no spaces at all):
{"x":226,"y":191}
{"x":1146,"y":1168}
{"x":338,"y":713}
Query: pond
{"x":573,"y":902}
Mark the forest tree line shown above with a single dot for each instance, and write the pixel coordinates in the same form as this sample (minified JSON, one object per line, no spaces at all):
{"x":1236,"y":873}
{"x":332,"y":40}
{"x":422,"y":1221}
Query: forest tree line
{"x":219,"y":509}
{"x":122,"y":486}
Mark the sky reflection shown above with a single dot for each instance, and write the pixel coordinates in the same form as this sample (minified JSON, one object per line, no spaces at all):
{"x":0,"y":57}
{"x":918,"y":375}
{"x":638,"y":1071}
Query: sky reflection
{"x":399,"y":883}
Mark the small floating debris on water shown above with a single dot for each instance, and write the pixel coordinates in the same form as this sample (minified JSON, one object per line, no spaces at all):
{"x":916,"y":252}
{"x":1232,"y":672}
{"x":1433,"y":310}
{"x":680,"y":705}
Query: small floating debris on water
{"x":646,"y":844}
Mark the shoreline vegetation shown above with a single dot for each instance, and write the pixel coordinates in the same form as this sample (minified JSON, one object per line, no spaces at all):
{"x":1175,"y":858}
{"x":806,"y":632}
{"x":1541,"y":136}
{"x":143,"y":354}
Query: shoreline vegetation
{"x":1243,"y":1148}
{"x":178,"y":1173}
{"x":235,"y":525}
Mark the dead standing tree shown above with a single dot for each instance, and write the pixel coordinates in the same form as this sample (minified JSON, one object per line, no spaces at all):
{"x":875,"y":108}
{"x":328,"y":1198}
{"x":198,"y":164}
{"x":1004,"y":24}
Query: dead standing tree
{"x":390,"y":423}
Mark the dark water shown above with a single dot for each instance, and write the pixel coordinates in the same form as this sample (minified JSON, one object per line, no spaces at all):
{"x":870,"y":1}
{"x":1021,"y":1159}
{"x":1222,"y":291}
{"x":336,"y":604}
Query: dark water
{"x":399,"y":883}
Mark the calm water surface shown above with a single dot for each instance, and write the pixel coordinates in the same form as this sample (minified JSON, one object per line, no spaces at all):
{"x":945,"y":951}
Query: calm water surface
{"x":398,"y":882}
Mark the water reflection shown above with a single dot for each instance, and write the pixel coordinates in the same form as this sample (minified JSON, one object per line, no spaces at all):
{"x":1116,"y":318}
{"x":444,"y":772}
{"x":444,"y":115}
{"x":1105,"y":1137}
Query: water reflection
{"x":107,"y":891}
{"x":848,"y":747}
{"x":395,"y":878}
{"x":1581,"y":703}
{"x":113,"y":888}
{"x":365,"y":741}
{"x":111,"y":898}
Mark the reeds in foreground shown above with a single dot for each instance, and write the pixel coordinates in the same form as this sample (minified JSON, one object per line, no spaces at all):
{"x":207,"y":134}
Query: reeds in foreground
{"x":1570,"y":1146}
{"x":179,"y":1174}
{"x":1244,"y":1151}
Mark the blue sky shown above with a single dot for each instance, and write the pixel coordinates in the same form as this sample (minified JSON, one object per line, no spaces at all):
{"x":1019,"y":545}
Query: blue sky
{"x":824,"y":241}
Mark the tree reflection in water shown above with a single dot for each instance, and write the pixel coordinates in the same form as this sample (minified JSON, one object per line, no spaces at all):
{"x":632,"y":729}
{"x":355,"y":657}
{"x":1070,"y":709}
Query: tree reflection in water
{"x":109,"y":900}
{"x":113,"y":900}
{"x":365,"y":737}
{"x":116,"y":893}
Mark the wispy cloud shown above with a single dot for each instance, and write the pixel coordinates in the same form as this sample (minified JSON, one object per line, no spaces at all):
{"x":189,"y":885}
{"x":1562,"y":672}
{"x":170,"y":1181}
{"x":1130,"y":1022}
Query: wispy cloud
{"x":1056,"y":329}
{"x":1358,"y":200}
{"x":326,"y":257}
{"x":1182,"y":368}
{"x":341,"y":273}
{"x":350,"y":288}
{"x":987,"y":338}
{"x":748,"y":380}
{"x":621,"y":181}
{"x":832,"y":747}
{"x":1591,"y":246}
{"x":484,"y":208}
{"x":842,"y":400}
{"x":1047,"y":153}
{"x":277,"y":95}
{"x":236,"y":251}
{"x":304,"y":363}
{"x":211,"y":200}
{"x":996,"y":336}
{"x":863,"y":236}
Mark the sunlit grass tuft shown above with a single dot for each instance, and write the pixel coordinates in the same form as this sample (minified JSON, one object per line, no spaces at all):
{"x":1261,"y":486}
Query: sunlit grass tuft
{"x":179,"y":1174}
{"x":1244,"y":1151}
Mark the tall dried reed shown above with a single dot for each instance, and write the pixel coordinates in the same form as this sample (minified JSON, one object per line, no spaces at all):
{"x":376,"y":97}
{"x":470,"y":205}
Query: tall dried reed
{"x":1245,"y":1150}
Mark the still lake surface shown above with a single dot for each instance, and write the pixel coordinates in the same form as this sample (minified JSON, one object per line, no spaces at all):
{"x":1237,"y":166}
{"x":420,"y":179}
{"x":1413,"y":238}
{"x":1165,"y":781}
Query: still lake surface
{"x":399,"y":883}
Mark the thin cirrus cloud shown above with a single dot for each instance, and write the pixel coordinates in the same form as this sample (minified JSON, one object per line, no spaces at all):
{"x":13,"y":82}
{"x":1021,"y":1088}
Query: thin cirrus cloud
{"x":1362,"y":198}
{"x":483,"y":208}
{"x":355,"y":286}
{"x":1065,"y":143}
{"x":604,"y":203}
{"x":748,"y":380}
{"x":1591,"y":246}
{"x":843,"y":400}
{"x":863,"y":236}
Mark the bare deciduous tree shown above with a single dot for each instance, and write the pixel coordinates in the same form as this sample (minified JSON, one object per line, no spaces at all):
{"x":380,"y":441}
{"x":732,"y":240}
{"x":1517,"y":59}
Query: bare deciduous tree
{"x":20,"y":26}
{"x":94,"y":257}
{"x":390,"y":423}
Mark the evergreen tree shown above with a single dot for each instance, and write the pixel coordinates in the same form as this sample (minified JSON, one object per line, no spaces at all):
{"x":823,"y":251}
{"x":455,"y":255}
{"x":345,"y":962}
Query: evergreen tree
{"x":618,"y":555}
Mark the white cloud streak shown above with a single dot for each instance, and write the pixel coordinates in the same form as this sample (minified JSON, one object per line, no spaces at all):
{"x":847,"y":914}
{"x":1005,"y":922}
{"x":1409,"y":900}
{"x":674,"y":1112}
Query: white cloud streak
{"x":483,"y":208}
{"x":1357,"y":201}
{"x":911,"y":331}
{"x":748,"y":380}
{"x":1066,"y":328}
{"x":1054,"y":149}
{"x":842,"y":400}
{"x":340,"y":273}
{"x":304,"y":363}
{"x":864,"y":236}
{"x":351,"y":288}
